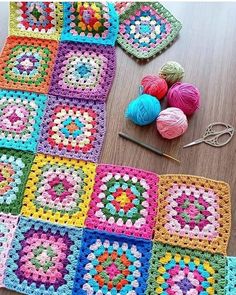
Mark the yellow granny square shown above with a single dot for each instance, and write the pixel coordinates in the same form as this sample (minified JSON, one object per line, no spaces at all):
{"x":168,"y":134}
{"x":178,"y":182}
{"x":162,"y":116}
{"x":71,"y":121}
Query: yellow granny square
{"x":36,"y":19}
{"x":58,"y":190}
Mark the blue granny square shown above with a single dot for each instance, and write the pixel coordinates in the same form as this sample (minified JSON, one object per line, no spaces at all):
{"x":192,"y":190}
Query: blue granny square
{"x":231,"y":276}
{"x":20,"y":119}
{"x":43,"y":258}
{"x":91,"y":22}
{"x":111,"y":264}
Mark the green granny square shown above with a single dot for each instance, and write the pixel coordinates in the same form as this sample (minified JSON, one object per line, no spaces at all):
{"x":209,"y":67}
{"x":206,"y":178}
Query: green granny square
{"x":14,"y":170}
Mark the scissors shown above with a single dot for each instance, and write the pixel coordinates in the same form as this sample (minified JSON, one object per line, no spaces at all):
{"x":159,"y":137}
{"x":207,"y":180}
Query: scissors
{"x":213,"y":133}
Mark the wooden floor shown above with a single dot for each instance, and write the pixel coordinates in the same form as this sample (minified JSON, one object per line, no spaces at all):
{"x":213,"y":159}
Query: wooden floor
{"x":206,"y":49}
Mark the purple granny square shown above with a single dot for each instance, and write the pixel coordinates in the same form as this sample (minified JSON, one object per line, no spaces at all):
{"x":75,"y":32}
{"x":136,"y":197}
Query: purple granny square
{"x":73,"y":128}
{"x":83,"y":70}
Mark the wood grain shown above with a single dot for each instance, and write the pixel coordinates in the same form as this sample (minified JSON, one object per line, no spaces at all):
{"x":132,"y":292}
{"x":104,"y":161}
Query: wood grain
{"x":206,"y":49}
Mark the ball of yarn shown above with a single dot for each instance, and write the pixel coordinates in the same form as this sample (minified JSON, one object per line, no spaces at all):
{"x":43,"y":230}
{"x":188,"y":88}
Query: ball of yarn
{"x":184,"y":96}
{"x":171,"y":123}
{"x":154,"y":86}
{"x":172,"y":72}
{"x":143,"y":110}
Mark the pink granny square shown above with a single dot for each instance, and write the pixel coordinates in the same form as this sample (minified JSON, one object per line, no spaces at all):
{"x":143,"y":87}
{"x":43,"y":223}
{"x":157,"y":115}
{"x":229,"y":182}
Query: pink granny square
{"x":8,"y":225}
{"x":124,"y":201}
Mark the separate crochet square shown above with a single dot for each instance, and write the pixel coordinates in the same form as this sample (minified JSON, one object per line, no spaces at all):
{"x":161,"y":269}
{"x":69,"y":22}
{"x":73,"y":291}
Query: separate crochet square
{"x":59,"y":190}
{"x":36,"y":19}
{"x":43,"y":258}
{"x":26,"y":64}
{"x":112,"y":264}
{"x":83,"y":70}
{"x":124,"y":201}
{"x":73,"y":128}
{"x":193,"y":212}
{"x":231,"y":276}
{"x":8,"y":225}
{"x":14,"y":170}
{"x":175,"y":270}
{"x":20,"y":118}
{"x":90,"y":22}
{"x":146,"y":29}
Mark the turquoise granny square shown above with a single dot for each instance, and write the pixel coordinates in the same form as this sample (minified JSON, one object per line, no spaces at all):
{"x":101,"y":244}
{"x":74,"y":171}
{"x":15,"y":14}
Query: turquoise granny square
{"x":20,"y":119}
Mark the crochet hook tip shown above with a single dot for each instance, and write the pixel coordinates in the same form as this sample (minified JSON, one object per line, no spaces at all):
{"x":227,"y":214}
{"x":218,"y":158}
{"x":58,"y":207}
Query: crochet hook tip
{"x":170,"y":157}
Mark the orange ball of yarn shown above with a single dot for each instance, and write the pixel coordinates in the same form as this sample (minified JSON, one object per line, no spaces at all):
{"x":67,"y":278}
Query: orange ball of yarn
{"x":154,"y":86}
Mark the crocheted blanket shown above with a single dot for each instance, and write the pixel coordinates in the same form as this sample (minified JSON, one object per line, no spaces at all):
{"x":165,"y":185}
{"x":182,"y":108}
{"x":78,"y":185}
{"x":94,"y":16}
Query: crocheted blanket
{"x":67,"y":224}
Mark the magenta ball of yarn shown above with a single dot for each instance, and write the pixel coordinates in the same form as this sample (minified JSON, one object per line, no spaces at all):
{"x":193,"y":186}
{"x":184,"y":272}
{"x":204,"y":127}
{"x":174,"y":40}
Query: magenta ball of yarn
{"x":171,"y":123}
{"x":184,"y":96}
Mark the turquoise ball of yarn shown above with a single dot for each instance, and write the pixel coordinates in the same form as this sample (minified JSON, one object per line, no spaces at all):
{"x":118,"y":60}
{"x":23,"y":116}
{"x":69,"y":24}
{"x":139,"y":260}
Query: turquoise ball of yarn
{"x":143,"y":110}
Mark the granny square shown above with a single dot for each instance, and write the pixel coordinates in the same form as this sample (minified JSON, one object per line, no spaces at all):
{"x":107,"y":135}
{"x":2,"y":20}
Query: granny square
{"x":193,"y":212}
{"x":83,"y":70}
{"x":27,"y":63}
{"x":14,"y":170}
{"x":8,"y":225}
{"x":124,"y":201}
{"x":42,"y":259}
{"x":20,"y":118}
{"x":178,"y":271}
{"x":112,"y":264}
{"x":36,"y":19}
{"x":231,"y":276}
{"x":146,"y":29}
{"x":90,"y":22}
{"x":59,"y":190}
{"x":73,"y":128}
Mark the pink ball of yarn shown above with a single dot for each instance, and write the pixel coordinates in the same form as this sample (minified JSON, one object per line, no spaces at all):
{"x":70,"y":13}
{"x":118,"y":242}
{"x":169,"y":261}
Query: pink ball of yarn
{"x":184,"y":96}
{"x":171,"y":123}
{"x":154,"y":86}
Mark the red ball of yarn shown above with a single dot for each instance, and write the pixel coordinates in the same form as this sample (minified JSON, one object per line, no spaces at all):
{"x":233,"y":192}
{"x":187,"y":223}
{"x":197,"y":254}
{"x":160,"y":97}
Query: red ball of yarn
{"x":154,"y":86}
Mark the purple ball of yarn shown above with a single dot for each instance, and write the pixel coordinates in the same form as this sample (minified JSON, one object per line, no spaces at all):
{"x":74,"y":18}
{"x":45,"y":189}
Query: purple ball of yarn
{"x":184,"y":96}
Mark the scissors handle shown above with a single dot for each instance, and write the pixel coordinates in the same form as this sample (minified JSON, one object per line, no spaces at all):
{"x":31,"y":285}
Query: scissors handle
{"x":212,"y":136}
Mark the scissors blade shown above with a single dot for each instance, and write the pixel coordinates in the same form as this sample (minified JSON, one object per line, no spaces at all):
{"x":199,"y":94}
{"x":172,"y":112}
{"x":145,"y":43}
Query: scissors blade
{"x":194,"y":142}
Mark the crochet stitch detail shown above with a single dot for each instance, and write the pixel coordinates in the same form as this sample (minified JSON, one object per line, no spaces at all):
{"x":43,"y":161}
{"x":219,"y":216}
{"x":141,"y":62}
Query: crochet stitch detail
{"x":124,"y":201}
{"x":36,"y":19}
{"x":58,"y":190}
{"x":73,"y":128}
{"x":146,"y":29}
{"x":231,"y":276}
{"x":193,"y":212}
{"x":42,"y":259}
{"x":8,"y":224}
{"x":14,"y":169}
{"x":20,"y":119}
{"x":175,"y":270}
{"x":27,"y":63}
{"x":111,"y":264}
{"x":83,"y":70}
{"x":90,"y":22}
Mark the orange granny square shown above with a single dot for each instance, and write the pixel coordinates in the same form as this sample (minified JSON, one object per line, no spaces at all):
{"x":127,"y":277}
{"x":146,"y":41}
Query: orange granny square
{"x":27,"y":63}
{"x":193,"y":212}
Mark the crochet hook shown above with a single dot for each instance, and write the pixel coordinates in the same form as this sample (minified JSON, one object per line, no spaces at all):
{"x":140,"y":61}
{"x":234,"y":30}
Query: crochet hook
{"x":146,"y":146}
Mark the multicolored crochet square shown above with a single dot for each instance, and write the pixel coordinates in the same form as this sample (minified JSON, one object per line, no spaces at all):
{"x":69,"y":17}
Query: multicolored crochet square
{"x":193,"y":212}
{"x":178,"y":271}
{"x":73,"y":128}
{"x":231,"y":276}
{"x":20,"y":118}
{"x":90,"y":22}
{"x":26,"y":64}
{"x":8,"y":225}
{"x":146,"y":29}
{"x":83,"y":70}
{"x":112,"y":265}
{"x":124,"y":201}
{"x":14,"y":170}
{"x":59,"y":190}
{"x":42,"y":259}
{"x":36,"y":19}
